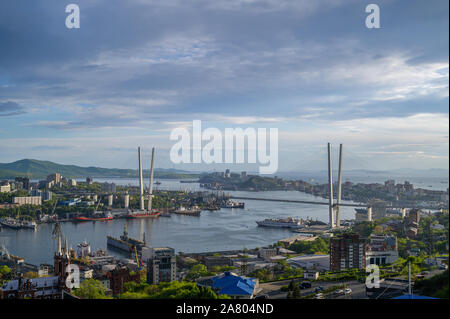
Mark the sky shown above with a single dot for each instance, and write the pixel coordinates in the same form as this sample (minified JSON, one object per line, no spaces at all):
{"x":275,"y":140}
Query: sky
{"x":137,"y":69}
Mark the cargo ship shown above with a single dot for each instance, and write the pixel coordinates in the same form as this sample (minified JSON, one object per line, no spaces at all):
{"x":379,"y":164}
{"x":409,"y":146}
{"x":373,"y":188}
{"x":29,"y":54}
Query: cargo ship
{"x":125,"y":243}
{"x":10,"y":223}
{"x":100,"y":217}
{"x":142,"y":214}
{"x":16,"y":224}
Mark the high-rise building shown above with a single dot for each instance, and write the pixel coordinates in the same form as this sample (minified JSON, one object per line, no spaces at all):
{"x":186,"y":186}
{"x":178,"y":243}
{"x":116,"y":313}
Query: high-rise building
{"x":108,"y":187}
{"x":414,"y":216}
{"x":55,"y":177}
{"x":45,"y":195}
{"x":390,"y":186}
{"x":378,"y":208}
{"x":363,"y":214}
{"x":412,"y":225}
{"x":347,"y":251}
{"x":25,"y":182}
{"x":161,"y":264}
{"x":28,"y":200}
{"x":382,"y":249}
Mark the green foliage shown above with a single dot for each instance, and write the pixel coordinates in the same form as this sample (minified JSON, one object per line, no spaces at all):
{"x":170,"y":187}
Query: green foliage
{"x":364,"y":229}
{"x":320,"y":245}
{"x":263,"y":275}
{"x":31,"y":275}
{"x":348,"y":274}
{"x":4,"y":270}
{"x":436,"y":286}
{"x":170,"y":290}
{"x":132,"y":286}
{"x":197,"y":271}
{"x":91,"y":289}
{"x":295,"y":293}
{"x":41,"y":169}
{"x":5,"y":273}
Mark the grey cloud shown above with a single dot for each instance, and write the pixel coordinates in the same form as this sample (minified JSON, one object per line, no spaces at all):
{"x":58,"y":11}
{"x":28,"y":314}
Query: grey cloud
{"x":10,"y":108}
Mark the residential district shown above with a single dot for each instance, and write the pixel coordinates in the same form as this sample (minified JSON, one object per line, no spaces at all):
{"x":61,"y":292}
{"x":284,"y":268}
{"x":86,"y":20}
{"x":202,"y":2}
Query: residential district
{"x":409,"y":246}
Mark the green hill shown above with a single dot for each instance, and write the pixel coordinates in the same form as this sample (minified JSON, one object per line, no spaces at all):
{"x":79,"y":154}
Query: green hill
{"x":40,"y":169}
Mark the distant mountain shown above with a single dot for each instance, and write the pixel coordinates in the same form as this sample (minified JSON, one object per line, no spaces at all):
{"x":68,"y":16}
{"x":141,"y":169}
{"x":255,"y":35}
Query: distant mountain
{"x":396,"y":173}
{"x":40,"y":169}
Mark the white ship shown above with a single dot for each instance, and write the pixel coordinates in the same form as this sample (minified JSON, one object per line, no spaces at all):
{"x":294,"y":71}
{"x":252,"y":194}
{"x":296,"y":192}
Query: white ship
{"x":289,"y":222}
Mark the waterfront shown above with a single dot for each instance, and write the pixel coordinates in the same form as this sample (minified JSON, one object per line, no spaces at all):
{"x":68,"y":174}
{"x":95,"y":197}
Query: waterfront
{"x":225,"y":229}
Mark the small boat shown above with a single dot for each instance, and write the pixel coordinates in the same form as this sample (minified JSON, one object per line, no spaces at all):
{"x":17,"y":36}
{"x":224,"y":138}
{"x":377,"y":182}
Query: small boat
{"x":29,"y":224}
{"x":230,"y":204}
{"x":165,"y":214}
{"x":194,"y":211}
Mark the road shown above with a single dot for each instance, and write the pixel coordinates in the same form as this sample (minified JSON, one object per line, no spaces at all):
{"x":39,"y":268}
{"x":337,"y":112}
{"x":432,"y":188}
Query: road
{"x":272,"y":289}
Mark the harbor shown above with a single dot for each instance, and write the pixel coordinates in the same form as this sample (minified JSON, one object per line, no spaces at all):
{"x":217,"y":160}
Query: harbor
{"x":223,"y":229}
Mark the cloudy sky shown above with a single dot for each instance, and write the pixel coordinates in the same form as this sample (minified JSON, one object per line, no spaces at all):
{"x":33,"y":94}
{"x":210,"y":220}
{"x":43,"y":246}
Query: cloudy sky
{"x":136,"y":69}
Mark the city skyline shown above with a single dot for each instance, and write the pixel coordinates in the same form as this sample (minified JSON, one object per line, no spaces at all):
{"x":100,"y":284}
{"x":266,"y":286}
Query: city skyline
{"x":91,"y":96}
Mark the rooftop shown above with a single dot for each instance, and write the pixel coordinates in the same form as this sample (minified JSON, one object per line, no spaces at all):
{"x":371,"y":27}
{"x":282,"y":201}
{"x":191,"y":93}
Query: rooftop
{"x":232,"y":284}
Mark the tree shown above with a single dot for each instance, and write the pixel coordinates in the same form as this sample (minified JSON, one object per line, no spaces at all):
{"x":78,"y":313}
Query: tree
{"x":319,"y":245}
{"x":31,"y":275}
{"x":296,"y":293}
{"x":91,"y":289}
{"x":291,"y":285}
{"x":197,"y":271}
{"x":4,"y":270}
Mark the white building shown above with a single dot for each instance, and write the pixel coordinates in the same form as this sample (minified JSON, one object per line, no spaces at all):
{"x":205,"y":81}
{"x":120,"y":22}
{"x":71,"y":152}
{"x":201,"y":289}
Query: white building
{"x":317,"y":262}
{"x":28,"y":200}
{"x":381,"y":250}
{"x":5,"y":188}
{"x":311,"y":274}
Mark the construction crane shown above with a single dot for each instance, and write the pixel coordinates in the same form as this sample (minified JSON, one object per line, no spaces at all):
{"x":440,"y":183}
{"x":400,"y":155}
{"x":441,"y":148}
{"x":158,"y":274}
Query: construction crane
{"x":139,"y":267}
{"x":96,"y":207}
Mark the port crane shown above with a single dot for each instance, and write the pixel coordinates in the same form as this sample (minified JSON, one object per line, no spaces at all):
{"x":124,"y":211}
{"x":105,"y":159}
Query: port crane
{"x":139,"y":266}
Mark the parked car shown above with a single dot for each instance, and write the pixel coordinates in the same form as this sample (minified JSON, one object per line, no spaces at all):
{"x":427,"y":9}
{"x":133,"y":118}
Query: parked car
{"x":347,"y":291}
{"x":319,"y":296}
{"x":320,"y":288}
{"x":304,"y":285}
{"x":262,"y":297}
{"x":340,"y":292}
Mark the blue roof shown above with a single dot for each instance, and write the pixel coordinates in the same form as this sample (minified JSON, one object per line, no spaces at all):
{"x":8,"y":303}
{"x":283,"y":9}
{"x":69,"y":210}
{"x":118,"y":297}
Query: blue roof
{"x":231,"y":284}
{"x":407,"y":296}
